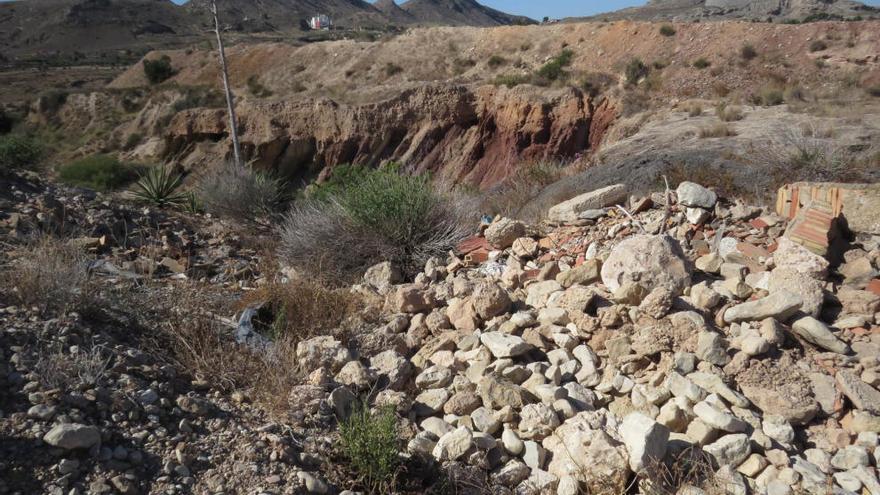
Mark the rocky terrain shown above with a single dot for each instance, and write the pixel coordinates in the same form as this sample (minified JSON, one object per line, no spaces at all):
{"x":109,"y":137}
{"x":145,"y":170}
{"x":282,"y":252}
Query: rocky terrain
{"x":431,"y":98}
{"x":678,"y":343}
{"x":79,"y":32}
{"x":598,"y":272}
{"x":761,"y":10}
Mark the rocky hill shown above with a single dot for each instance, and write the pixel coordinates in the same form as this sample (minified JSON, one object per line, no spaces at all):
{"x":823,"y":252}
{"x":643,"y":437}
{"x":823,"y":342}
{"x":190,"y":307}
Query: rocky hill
{"x":459,"y":13}
{"x":759,"y":10}
{"x":432,"y":97}
{"x":97,"y":30}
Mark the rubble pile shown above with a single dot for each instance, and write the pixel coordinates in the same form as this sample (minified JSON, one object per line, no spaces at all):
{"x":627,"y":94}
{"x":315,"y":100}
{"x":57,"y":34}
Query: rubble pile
{"x":582,"y":358}
{"x":671,"y":343}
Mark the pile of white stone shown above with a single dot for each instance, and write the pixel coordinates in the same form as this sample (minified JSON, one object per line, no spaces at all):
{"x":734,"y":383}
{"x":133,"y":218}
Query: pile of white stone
{"x":663,"y":342}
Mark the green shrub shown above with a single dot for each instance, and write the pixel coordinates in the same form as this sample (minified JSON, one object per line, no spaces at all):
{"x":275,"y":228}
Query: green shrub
{"x":392,"y":69}
{"x":595,"y":83}
{"x":199,"y":97}
{"x":18,"y":152}
{"x":159,"y":187}
{"x":554,"y":70}
{"x":511,"y":80}
{"x":370,"y":442}
{"x":748,"y":52}
{"x":362,"y":217}
{"x":635,"y":71}
{"x":99,"y":172}
{"x":7,"y":121}
{"x":133,"y":140}
{"x":52,"y":101}
{"x":667,"y":30}
{"x":701,"y":63}
{"x":818,"y":46}
{"x":461,"y":65}
{"x":256,"y":88}
{"x":159,"y":70}
{"x":496,"y":61}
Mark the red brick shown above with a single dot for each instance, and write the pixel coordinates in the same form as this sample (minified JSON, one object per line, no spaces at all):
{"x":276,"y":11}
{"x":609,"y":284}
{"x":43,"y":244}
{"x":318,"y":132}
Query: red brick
{"x":758,"y":224}
{"x":472,"y":244}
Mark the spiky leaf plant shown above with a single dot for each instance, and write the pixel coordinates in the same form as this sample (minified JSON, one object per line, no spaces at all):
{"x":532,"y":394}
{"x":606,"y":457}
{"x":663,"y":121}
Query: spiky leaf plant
{"x":159,"y":187}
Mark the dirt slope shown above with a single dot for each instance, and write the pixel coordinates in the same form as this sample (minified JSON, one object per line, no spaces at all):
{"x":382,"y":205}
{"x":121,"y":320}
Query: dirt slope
{"x":425,"y":98}
{"x":759,"y":10}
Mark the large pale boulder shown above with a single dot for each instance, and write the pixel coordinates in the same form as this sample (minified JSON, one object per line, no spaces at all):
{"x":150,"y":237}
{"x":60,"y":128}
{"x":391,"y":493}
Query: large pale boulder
{"x":70,"y":436}
{"x":651,"y":260}
{"x":571,"y":211}
{"x":694,"y":195}
{"x":793,"y":256}
{"x":588,"y":455}
{"x":322,"y":352}
{"x":501,"y":234}
{"x":645,"y":440}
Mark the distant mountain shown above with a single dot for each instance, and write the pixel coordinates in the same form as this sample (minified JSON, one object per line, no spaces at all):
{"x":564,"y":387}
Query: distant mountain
{"x":780,"y":10}
{"x":86,"y":25}
{"x":286,"y":15}
{"x":459,"y":13}
{"x":394,"y":13}
{"x":116,"y":30}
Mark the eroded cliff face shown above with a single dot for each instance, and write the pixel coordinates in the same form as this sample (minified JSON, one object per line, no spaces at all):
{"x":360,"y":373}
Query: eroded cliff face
{"x":475,"y":136}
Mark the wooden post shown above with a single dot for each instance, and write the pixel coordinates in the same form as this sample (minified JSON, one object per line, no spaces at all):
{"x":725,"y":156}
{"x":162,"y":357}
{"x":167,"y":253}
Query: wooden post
{"x":230,"y":99}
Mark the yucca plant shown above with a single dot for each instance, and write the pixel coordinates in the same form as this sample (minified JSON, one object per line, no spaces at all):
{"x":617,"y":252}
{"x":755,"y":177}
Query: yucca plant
{"x":192,"y":204}
{"x":159,"y":187}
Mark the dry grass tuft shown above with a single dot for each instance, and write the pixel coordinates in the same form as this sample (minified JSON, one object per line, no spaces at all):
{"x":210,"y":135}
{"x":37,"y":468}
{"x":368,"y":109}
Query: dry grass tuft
{"x":204,"y":346}
{"x":691,"y":468}
{"x":728,"y":113}
{"x":81,"y":367}
{"x":48,"y":274}
{"x":810,"y":153}
{"x":717,"y":131}
{"x":241,"y":193}
{"x":510,"y":197}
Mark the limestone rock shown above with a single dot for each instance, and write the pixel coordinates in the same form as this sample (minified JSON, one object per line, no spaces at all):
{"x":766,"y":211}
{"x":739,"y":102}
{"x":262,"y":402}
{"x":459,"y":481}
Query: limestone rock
{"x":504,"y":345}
{"x":780,"y":305}
{"x":730,"y":449}
{"x":454,"y":444}
{"x":862,"y":395}
{"x":652,"y":261}
{"x":502,"y":234}
{"x":585,"y":274}
{"x":645,"y":440}
{"x":71,"y":436}
{"x":695,"y":195}
{"x":570,"y":211}
{"x":817,"y":333}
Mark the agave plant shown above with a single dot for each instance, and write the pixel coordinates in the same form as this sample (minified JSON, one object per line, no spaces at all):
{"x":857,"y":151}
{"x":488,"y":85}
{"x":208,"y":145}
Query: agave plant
{"x":159,"y":187}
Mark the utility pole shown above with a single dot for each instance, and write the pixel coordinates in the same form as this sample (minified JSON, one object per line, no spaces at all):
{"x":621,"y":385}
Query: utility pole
{"x":230,"y":99}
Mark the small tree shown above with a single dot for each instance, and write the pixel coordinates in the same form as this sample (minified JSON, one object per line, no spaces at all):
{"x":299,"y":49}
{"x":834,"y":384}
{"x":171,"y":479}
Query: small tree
{"x":635,"y":71}
{"x":158,"y":70}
